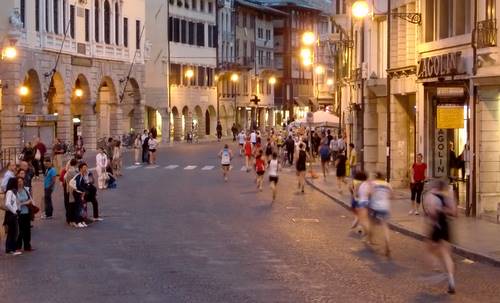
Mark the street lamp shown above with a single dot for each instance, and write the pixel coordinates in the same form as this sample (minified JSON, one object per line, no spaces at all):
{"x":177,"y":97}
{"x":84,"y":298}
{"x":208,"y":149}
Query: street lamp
{"x":9,"y":53}
{"x":272,"y":80}
{"x":308,"y":38}
{"x":360,"y":9}
{"x":23,"y":91}
{"x":329,"y":82}
{"x":319,"y":70}
{"x":78,"y":92}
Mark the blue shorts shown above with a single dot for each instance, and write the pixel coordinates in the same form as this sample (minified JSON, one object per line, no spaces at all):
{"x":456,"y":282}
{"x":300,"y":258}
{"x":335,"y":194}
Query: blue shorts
{"x":382,"y":215}
{"x":358,"y":204}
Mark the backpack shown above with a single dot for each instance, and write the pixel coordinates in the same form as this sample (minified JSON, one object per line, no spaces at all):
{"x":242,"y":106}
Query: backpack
{"x":226,"y":157}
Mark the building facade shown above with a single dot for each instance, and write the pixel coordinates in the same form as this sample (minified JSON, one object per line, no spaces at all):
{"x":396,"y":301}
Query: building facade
{"x":193,"y":38}
{"x":73,"y":67}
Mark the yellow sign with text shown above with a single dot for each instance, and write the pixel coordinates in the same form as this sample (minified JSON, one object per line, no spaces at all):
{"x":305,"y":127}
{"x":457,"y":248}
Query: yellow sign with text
{"x":450,"y":117}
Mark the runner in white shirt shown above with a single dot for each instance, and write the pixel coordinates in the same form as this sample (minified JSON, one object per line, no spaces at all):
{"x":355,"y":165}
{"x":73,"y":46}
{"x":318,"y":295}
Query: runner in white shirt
{"x":241,"y":140}
{"x":253,"y":138}
{"x":273,"y":174}
{"x":225,"y":155}
{"x":380,"y":204}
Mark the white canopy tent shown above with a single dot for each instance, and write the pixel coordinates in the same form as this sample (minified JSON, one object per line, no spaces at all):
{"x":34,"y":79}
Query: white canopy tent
{"x":319,"y":119}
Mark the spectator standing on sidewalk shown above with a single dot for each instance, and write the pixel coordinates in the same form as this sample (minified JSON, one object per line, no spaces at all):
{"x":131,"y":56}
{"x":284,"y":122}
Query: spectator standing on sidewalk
{"x":439,"y":205}
{"x":234,"y":130}
{"x":85,"y":184}
{"x":71,"y":172}
{"x":101,"y":164}
{"x":218,"y":128}
{"x":11,"y":219}
{"x":9,"y":173}
{"x":40,"y":151}
{"x":23,"y":197}
{"x":117,"y":158}
{"x":153,"y":145}
{"x":290,"y":149}
{"x":137,"y":149}
{"x":340,"y":164}
{"x":145,"y":146}
{"x":417,"y":179}
{"x":49,"y":183}
{"x":28,"y":174}
{"x":28,"y":152}
{"x":300,"y":166}
{"x":57,"y":152}
{"x":353,"y":160}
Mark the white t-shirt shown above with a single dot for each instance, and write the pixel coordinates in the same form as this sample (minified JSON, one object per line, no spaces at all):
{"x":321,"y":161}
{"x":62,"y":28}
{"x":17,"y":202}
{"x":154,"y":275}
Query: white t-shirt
{"x":225,"y":157}
{"x":273,"y":168}
{"x":241,"y":138}
{"x":364,"y":192}
{"x":253,"y":137}
{"x":381,"y":192}
{"x":152,"y":143}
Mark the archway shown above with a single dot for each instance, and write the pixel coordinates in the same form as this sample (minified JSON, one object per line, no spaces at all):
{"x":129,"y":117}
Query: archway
{"x":211,"y":117}
{"x":32,"y":102}
{"x":131,"y":105}
{"x":109,"y":122}
{"x":81,"y":113}
{"x":56,"y":105}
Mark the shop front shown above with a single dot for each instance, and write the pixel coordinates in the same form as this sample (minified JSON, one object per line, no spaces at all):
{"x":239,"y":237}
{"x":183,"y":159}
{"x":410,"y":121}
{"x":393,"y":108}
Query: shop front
{"x":446,"y":122}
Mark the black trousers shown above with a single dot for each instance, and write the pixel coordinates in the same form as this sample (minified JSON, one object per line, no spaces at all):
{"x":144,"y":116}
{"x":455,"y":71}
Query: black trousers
{"x":48,"y":201}
{"x":145,"y":155}
{"x":416,"y":191}
{"x":12,"y":232}
{"x":66,"y":203}
{"x":290,"y":156}
{"x":24,"y":238}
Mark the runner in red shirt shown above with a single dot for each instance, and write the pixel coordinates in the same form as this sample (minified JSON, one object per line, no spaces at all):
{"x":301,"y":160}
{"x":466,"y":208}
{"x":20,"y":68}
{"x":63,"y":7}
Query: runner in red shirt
{"x":417,"y":178}
{"x":248,"y":153}
{"x":260,"y":169}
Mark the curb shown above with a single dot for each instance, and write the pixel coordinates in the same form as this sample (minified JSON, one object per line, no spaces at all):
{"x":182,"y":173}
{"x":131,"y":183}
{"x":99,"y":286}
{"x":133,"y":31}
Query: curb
{"x":457,"y":249}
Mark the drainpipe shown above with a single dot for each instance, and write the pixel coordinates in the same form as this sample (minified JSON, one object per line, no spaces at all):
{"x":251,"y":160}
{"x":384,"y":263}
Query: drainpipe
{"x":388,"y":90}
{"x":362,"y":147}
{"x":472,"y":209}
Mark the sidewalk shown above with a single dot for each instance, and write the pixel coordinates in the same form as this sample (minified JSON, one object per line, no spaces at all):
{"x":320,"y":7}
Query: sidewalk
{"x":472,"y":238}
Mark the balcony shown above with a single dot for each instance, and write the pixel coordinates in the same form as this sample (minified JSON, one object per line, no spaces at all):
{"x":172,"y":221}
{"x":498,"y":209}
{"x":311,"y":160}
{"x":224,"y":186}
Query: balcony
{"x":265,"y":63}
{"x":486,"y":33}
{"x":246,"y":62}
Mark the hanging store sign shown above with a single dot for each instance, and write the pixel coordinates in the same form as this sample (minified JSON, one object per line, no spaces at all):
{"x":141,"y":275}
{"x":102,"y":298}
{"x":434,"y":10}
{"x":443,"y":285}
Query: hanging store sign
{"x":450,"y":117}
{"x":440,"y":153}
{"x":438,"y":66}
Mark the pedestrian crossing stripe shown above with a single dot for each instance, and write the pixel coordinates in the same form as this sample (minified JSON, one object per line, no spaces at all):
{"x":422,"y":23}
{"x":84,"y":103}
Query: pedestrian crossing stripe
{"x":171,"y":166}
{"x":152,"y":166}
{"x":190,"y":167}
{"x":208,"y":167}
{"x":132,"y":167}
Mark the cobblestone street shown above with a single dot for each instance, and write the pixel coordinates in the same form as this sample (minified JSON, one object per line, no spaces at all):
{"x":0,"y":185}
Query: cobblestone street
{"x":177,"y":233}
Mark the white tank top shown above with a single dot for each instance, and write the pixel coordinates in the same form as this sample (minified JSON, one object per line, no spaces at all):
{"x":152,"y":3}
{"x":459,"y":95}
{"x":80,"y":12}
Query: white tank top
{"x":273,"y":168}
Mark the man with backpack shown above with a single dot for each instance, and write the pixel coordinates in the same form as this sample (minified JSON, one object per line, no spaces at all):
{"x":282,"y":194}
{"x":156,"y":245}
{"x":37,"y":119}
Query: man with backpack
{"x":226,"y":155}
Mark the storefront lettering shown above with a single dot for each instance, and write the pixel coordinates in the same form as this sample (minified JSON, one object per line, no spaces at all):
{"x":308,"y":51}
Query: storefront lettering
{"x":442,"y":65}
{"x":440,"y":154}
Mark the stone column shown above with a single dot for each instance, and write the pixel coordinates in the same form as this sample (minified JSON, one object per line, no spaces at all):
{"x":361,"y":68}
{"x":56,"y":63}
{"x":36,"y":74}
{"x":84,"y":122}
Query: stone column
{"x":116,"y":120}
{"x":370,"y":134}
{"x":89,"y":128}
{"x":177,"y":128}
{"x":165,"y":122}
{"x":64,"y":120}
{"x":201,"y":126}
{"x":188,"y":123}
{"x":10,"y":125}
{"x":138,"y":119}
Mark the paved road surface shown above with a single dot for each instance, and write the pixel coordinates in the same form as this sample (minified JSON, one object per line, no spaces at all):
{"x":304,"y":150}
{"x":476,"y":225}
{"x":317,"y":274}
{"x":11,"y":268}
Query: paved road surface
{"x":177,"y":233}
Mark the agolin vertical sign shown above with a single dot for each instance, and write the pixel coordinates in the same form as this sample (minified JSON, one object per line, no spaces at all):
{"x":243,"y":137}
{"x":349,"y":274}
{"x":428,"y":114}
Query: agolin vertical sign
{"x":439,"y":66}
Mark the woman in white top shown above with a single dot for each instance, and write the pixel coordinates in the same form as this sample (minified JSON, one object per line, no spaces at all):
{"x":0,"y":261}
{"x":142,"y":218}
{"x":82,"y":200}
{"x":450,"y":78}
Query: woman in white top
{"x":137,"y":149}
{"x":11,"y":219}
{"x":153,"y":144}
{"x":273,"y":174}
{"x":117,"y":158}
{"x":101,"y":164}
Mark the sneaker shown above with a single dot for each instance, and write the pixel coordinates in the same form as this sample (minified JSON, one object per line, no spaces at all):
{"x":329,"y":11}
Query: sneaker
{"x":73,"y":224}
{"x":416,"y":213}
{"x":410,"y":212}
{"x":15,"y":253}
{"x":98,"y":219}
{"x":81,"y":225}
{"x":451,"y":289}
{"x":84,"y":224}
{"x":44,"y":217}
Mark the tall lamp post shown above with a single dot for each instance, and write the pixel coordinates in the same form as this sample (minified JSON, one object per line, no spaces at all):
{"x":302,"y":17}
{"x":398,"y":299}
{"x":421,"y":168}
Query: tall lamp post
{"x":361,"y":9}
